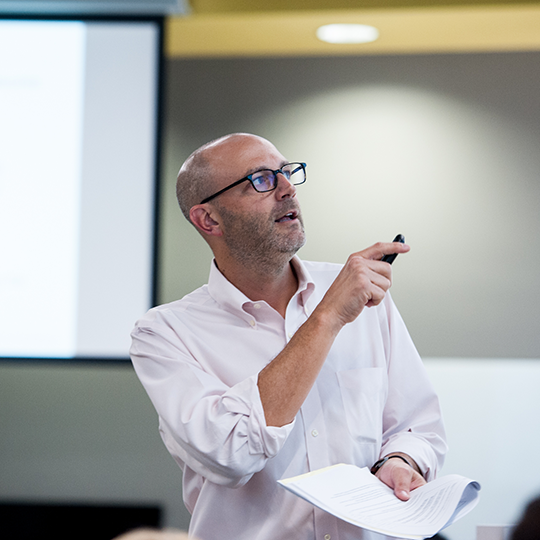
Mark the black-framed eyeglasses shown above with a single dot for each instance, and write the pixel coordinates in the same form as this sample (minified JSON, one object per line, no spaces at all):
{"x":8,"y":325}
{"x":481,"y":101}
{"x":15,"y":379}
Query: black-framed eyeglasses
{"x":267,"y":180}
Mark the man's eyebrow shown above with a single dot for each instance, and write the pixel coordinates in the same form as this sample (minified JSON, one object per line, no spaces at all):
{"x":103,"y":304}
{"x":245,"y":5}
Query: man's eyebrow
{"x":264,"y":168}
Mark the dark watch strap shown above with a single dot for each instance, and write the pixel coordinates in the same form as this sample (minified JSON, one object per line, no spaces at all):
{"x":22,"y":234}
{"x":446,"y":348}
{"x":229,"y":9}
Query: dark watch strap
{"x":378,"y":464}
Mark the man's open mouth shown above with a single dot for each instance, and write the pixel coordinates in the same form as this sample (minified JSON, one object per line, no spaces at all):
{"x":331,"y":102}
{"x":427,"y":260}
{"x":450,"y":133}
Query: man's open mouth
{"x":287,"y":217}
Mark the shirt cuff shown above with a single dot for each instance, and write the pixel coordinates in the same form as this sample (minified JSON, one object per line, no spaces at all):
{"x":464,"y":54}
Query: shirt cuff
{"x":417,"y":449}
{"x":262,"y":439}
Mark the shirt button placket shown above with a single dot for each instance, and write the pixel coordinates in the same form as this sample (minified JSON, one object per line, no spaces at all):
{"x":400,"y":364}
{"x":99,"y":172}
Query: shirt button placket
{"x":317,"y":454}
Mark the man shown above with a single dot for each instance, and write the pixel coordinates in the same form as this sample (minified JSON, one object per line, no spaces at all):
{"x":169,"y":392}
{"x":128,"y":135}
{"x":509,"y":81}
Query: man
{"x":278,"y":367}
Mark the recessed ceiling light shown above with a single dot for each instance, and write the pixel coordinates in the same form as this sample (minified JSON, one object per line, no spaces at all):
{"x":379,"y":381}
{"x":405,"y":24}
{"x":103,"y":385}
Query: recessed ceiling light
{"x":347,"y":33}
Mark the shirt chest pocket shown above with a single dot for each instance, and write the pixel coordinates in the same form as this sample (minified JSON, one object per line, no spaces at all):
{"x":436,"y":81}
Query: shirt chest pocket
{"x":363,"y":392}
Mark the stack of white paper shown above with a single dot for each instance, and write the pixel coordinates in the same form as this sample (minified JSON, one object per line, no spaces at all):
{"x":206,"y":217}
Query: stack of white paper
{"x":355,"y":495}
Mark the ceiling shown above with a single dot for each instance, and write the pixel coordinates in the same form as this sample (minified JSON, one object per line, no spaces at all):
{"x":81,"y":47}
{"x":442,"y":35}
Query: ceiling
{"x":236,"y":28}
{"x":237,"y":6}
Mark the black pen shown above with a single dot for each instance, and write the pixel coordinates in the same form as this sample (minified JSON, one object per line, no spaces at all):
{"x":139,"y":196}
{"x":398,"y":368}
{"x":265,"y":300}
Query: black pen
{"x":390,"y":258}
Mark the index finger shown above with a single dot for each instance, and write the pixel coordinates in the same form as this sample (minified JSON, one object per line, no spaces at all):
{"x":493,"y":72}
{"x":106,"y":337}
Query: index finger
{"x":377,"y":251}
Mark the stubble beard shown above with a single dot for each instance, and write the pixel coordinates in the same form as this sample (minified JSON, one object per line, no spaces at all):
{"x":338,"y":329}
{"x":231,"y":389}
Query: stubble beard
{"x":258,"y":245}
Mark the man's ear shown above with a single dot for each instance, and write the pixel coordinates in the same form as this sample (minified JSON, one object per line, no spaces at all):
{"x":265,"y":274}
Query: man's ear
{"x":203,"y":220}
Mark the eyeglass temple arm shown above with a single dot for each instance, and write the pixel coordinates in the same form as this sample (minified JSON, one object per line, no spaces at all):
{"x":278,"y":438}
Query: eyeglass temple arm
{"x":223,"y":190}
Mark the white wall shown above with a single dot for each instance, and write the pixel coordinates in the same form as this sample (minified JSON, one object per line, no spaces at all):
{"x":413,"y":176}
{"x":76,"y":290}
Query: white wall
{"x":490,"y":409}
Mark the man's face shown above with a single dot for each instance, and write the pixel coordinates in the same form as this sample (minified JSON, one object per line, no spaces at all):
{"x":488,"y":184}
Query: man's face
{"x":256,"y":226}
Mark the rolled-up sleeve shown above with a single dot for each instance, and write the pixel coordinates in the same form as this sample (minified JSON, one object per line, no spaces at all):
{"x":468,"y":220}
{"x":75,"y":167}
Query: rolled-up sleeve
{"x":218,"y":431}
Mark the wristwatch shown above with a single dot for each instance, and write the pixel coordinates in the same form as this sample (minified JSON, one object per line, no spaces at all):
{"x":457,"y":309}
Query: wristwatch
{"x":378,"y":464}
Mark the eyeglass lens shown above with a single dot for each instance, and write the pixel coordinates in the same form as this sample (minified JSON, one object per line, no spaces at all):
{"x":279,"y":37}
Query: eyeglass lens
{"x":266,"y":179}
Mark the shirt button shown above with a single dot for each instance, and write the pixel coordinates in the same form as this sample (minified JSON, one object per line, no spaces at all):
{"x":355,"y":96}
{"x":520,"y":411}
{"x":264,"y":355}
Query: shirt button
{"x":327,"y":537}
{"x":252,"y":322}
{"x":290,"y":334}
{"x":315,"y":433}
{"x":257,"y":306}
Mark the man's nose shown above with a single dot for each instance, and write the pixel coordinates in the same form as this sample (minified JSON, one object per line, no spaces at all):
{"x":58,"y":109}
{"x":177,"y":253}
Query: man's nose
{"x":284,"y":188}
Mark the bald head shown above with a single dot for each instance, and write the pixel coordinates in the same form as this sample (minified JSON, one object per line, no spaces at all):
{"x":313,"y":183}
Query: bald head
{"x":200,"y":175}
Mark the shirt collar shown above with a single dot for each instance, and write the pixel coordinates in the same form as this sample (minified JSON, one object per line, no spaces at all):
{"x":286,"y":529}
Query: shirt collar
{"x":233,"y":300}
{"x":306,"y":285}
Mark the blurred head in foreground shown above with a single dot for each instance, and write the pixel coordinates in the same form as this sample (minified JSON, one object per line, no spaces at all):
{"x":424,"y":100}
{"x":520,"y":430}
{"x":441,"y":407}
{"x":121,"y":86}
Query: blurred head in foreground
{"x":528,"y":527}
{"x":154,"y":534}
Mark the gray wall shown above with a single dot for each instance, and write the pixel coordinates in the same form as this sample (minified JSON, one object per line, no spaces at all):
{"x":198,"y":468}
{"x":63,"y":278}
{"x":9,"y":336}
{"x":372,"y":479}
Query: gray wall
{"x":442,"y":148}
{"x":86,"y":434}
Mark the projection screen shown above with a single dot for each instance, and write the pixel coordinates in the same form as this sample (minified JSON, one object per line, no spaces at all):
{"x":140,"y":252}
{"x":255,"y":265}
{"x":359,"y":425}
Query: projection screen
{"x":78,"y":168}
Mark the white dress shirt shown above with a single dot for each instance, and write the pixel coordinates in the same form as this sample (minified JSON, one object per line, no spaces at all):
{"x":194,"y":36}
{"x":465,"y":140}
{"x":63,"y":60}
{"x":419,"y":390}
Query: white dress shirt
{"x":199,"y":359}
